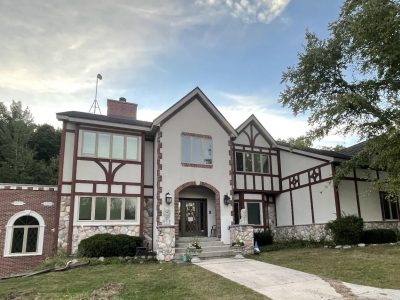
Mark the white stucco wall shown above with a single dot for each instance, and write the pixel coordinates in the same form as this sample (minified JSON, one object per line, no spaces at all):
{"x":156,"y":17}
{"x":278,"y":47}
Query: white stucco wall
{"x":324,"y":202}
{"x":68,"y":156}
{"x":194,"y":118}
{"x":369,"y":202}
{"x":283,"y":210}
{"x":301,"y":206}
{"x":292,"y":163}
{"x":347,"y":197}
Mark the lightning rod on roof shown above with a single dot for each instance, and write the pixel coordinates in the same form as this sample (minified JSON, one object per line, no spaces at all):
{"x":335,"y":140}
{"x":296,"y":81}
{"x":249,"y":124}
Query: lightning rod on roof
{"x":95,"y":105}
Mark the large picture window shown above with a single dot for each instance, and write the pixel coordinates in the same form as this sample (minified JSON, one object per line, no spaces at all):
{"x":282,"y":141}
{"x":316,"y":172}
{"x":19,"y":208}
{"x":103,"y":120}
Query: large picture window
{"x":108,"y":209}
{"x":390,"y":206}
{"x":252,"y":162}
{"x":254,"y":213}
{"x":106,"y":145}
{"x":196,"y":150}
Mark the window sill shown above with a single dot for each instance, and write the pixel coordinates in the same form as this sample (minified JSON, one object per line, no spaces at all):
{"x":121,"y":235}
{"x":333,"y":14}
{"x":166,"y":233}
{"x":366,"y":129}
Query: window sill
{"x":22,"y":254}
{"x":197,"y":165}
{"x":391,"y":220}
{"x":106,"y":223}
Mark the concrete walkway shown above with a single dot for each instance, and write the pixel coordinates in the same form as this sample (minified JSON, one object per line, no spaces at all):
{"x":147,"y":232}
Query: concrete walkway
{"x":282,"y":283}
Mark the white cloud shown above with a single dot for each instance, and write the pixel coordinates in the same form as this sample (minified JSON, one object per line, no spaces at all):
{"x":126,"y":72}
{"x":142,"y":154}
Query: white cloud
{"x":249,"y":11}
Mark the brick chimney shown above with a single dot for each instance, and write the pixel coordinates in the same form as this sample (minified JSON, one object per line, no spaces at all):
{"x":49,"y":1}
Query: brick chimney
{"x":121,"y":109}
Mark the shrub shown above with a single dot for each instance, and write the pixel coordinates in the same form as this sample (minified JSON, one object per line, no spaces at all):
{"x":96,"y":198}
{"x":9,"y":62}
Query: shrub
{"x":346,"y":230}
{"x":379,"y":236}
{"x":263,"y":238}
{"x":108,"y":245}
{"x":292,"y":244}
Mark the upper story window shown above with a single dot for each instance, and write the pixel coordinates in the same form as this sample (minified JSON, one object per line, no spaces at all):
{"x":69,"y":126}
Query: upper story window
{"x":196,"y":149}
{"x":252,"y":162}
{"x":106,"y":145}
{"x":390,"y":206}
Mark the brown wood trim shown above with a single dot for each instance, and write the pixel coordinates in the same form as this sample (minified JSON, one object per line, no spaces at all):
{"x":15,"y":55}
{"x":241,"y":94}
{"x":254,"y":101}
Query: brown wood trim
{"x":305,"y":155}
{"x":69,"y":130}
{"x":241,"y":201}
{"x":291,"y":206}
{"x":311,"y":204}
{"x":276,"y":215}
{"x":357,"y":195}
{"x":66,"y":183}
{"x":115,"y":171}
{"x":247,"y":191}
{"x":107,"y":182}
{"x":233,"y":169}
{"x":197,"y":135}
{"x":256,"y":174}
{"x":107,"y":194}
{"x":106,"y":174}
{"x":260,"y":148}
{"x":248,"y":137}
{"x":306,"y":185}
{"x":191,"y":165}
{"x":254,"y":138}
{"x":306,"y":170}
{"x":110,"y":129}
{"x":141,"y":230}
{"x":265,"y":211}
{"x":148,"y":186}
{"x":72,"y":201}
{"x":336,"y":193}
{"x":96,"y":159}
{"x":279,"y":170}
{"x":270,"y":171}
{"x":59,"y":185}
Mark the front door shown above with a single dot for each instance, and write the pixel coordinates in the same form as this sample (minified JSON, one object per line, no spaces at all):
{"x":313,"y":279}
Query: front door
{"x":193,"y":217}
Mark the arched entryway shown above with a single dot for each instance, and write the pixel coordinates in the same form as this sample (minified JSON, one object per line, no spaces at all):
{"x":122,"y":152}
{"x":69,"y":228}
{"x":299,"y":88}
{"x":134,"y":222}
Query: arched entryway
{"x":197,"y":210}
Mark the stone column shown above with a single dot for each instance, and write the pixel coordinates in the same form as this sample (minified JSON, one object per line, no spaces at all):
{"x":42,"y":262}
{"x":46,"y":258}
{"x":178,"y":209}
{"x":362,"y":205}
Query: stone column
{"x":166,"y":242}
{"x":244,"y":233}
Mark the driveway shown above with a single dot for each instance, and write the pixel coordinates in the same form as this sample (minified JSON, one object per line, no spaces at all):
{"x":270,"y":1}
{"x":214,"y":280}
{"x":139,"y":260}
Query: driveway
{"x":282,"y":283}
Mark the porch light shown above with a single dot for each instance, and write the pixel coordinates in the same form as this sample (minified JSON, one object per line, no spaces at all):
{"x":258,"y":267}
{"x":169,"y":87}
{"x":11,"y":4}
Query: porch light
{"x":168,"y":198}
{"x":227,"y":200}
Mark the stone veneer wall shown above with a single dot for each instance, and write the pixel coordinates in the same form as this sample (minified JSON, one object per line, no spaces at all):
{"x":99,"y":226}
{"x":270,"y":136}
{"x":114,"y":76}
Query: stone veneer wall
{"x":244,"y":233}
{"x":65,"y":206}
{"x":148,"y":221}
{"x":382,"y":225}
{"x":314,"y":232}
{"x":83,"y":232}
{"x":166,"y":242}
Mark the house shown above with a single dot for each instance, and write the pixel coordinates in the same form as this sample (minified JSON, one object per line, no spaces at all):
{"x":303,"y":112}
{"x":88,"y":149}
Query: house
{"x":190,"y":173}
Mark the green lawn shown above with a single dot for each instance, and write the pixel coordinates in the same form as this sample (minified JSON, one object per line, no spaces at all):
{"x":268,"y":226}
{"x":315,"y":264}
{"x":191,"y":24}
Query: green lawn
{"x":135,"y":281}
{"x":376,"y":266}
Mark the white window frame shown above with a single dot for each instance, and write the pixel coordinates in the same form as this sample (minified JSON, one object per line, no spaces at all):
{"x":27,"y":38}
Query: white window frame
{"x":252,"y":162}
{"x":201,"y":138}
{"x":261,"y":212}
{"x":10,"y":231}
{"x":93,"y":222}
{"x":383,"y":196}
{"x":96,"y":152}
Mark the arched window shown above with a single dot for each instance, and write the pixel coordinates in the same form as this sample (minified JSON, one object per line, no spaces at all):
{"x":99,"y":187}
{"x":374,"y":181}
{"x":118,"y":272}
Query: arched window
{"x":24,"y":234}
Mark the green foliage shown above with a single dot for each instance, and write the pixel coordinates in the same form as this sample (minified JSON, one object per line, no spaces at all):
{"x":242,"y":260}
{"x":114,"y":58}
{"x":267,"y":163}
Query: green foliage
{"x":379,"y":236}
{"x":349,"y":83}
{"x":292,"y":244}
{"x":108,"y":245}
{"x":263,"y":238}
{"x":28,"y":152}
{"x":346,"y":230}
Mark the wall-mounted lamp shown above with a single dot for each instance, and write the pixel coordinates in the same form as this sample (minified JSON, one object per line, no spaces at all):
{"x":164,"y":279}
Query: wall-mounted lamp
{"x":227,"y":200}
{"x":168,"y":198}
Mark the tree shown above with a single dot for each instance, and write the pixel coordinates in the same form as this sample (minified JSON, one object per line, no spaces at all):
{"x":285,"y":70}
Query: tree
{"x":349,"y":83}
{"x":45,"y":141}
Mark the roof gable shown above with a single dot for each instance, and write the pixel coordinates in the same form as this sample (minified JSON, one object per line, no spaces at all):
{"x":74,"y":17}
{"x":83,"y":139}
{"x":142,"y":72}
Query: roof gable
{"x":203,"y":99}
{"x":252,"y":120}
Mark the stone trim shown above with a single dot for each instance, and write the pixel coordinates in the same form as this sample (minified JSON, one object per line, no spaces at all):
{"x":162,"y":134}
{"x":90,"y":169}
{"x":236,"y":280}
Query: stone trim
{"x":159,"y":179}
{"x":166,"y":242}
{"x":197,"y":135}
{"x":244,"y":233}
{"x":197,"y":165}
{"x":31,"y":187}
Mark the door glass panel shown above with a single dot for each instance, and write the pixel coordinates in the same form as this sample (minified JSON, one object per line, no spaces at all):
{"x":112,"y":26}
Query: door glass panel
{"x":103,"y":149}
{"x":257,"y":163}
{"x":239,"y":161}
{"x":89,"y":143}
{"x":17,"y":241}
{"x":132,"y":148}
{"x":253,"y":212}
{"x":85,"y":208}
{"x":118,"y":147}
{"x":100,"y":212}
{"x":130,"y":208}
{"x":32,"y":239}
{"x":115,"y":208}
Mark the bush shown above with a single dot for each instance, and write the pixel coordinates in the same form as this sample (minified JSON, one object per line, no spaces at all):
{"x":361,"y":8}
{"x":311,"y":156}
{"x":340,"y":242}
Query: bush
{"x":346,"y":230}
{"x":379,"y":236}
{"x":108,"y":245}
{"x":263,"y":238}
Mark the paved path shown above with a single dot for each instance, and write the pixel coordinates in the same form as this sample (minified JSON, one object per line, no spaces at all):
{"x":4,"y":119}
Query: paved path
{"x":282,"y":283}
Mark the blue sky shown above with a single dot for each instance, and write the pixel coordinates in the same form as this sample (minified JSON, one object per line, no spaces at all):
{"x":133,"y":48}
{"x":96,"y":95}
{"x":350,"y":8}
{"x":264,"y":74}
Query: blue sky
{"x":154,"y":52}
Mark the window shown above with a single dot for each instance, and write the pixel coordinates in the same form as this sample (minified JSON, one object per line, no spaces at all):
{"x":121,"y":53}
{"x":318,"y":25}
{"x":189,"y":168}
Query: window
{"x":105,"y":145}
{"x":390,"y":206}
{"x":196,"y":150}
{"x":24,"y":234}
{"x":252,"y":162}
{"x":108,"y":209}
{"x":253,"y":213}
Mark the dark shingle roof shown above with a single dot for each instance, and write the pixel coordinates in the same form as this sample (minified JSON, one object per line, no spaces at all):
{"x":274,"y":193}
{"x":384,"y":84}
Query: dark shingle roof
{"x":329,"y":153}
{"x":93,"y":117}
{"x":354,"y":150}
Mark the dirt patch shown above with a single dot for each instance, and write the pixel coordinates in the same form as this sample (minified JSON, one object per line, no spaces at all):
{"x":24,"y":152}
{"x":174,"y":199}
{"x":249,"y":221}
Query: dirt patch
{"x":107,"y":292}
{"x":341,"y":289}
{"x":20,"y":295}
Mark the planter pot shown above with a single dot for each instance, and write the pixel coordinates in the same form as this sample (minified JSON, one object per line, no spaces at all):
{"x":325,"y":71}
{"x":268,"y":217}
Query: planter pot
{"x":194,"y":253}
{"x":238,"y":251}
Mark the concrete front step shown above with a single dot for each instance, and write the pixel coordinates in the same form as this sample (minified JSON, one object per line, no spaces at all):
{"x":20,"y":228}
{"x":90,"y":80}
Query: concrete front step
{"x":189,"y":239}
{"x":207,"y":249}
{"x":203,"y":244}
{"x":206,"y":254}
{"x":212,"y":247}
